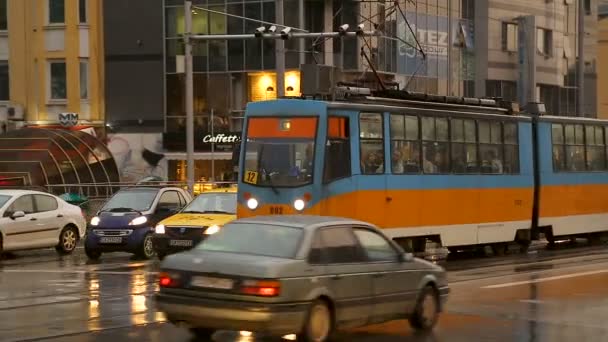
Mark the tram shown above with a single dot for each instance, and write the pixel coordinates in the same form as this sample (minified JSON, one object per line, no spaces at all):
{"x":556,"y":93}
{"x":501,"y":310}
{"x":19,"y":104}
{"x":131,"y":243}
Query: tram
{"x":461,"y":172}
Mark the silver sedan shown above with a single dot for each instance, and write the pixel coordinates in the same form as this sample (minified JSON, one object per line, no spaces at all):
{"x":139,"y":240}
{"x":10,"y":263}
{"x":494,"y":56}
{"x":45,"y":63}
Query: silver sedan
{"x":304,"y":275}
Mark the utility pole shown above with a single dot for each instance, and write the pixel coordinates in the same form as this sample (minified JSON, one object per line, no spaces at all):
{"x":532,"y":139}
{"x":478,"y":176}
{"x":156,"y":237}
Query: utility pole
{"x":580,"y":67}
{"x":189,"y":96}
{"x":301,"y":43}
{"x":280,"y":52}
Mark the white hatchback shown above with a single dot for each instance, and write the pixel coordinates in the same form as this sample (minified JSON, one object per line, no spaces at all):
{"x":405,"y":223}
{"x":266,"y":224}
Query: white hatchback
{"x":33,"y":219}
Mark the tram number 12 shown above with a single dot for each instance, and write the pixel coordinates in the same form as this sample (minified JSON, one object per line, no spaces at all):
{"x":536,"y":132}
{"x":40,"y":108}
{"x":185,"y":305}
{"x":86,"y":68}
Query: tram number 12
{"x":276,"y":211}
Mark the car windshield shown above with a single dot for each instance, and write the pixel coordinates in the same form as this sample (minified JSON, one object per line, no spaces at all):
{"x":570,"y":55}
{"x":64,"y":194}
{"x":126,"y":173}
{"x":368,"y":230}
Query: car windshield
{"x":224,"y":203}
{"x":279,"y":152}
{"x":134,"y":199}
{"x":254,"y":239}
{"x":3,"y":200}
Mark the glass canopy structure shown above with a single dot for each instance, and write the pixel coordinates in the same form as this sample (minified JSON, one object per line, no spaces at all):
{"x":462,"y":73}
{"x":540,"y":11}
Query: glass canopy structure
{"x":60,"y":161}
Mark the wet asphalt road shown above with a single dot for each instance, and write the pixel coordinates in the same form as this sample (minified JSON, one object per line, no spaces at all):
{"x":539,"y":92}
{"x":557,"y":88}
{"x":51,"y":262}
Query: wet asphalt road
{"x":540,"y":296}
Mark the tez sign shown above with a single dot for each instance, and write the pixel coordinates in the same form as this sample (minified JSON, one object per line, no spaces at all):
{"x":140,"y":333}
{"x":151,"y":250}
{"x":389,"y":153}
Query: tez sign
{"x":68,"y":119}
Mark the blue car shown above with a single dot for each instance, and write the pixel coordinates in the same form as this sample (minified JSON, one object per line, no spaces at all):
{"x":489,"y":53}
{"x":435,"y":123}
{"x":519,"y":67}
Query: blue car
{"x":126,"y":222}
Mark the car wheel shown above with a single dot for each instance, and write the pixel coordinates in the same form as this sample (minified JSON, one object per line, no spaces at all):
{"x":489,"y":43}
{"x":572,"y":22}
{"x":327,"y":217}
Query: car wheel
{"x":319,"y":325}
{"x":67,"y":240}
{"x":146,"y":251}
{"x":202,"y":333}
{"x":426,"y":312}
{"x":93,"y":254}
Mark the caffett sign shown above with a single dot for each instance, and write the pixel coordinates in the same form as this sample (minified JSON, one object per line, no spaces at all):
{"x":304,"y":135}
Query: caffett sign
{"x":221,"y":138}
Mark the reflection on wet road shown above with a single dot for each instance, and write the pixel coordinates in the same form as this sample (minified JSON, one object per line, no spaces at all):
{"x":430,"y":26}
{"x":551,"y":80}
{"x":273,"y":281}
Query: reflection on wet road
{"x":535,"y":297}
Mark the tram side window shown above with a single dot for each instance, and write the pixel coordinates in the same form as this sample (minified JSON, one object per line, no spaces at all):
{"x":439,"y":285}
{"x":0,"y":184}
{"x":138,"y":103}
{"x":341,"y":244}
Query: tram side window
{"x":575,"y":148}
{"x":557,"y":137}
{"x":337,"y":149}
{"x":596,"y":148}
{"x":435,"y":145}
{"x":371,"y":136}
{"x":405,"y":144}
{"x":490,"y":147}
{"x":464,"y":146}
{"x":511,"y":145}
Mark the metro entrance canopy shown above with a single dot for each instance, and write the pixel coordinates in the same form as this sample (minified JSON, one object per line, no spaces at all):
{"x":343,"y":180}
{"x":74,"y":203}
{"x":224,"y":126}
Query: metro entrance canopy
{"x":61,"y":161}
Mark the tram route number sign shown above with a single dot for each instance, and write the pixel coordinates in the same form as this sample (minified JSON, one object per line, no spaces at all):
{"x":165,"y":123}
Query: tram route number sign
{"x":276,"y":210}
{"x":251,"y":177}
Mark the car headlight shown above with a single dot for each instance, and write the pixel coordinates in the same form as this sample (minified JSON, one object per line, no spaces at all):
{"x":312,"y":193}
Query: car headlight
{"x":212,"y":229}
{"x":299,"y":204}
{"x":252,"y":203}
{"x":138,"y":220}
{"x":160,"y":229}
{"x":95,"y":221}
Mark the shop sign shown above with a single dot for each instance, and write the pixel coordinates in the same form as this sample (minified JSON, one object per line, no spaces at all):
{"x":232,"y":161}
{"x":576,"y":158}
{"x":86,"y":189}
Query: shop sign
{"x":68,"y":119}
{"x":203,"y":141}
{"x":222,"y":138}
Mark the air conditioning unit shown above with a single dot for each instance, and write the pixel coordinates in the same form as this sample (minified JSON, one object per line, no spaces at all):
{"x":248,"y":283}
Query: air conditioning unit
{"x":14,"y":112}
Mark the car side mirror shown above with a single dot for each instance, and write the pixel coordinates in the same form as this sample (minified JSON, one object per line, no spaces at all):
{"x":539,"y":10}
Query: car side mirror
{"x":406,"y":257}
{"x":17,"y":214}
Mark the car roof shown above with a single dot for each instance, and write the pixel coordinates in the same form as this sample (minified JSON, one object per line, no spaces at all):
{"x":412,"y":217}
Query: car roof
{"x":14,"y":192}
{"x":309,"y":222}
{"x":157,"y":188}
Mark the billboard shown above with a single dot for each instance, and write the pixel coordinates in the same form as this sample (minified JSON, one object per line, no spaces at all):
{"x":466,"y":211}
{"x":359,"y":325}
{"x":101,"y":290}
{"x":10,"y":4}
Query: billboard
{"x":434,"y":37}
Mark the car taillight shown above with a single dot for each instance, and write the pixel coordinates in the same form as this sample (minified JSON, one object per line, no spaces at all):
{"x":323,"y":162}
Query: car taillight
{"x":167,"y":280}
{"x":261,"y":288}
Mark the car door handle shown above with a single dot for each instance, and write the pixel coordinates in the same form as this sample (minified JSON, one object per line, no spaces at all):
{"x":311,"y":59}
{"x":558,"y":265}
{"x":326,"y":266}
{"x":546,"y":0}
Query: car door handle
{"x":33,"y":219}
{"x":379,"y":275}
{"x":59,"y":215}
{"x":337,"y":277}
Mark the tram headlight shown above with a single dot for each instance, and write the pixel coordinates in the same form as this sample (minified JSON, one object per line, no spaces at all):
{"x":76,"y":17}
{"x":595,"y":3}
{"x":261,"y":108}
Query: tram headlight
{"x":299,"y":204}
{"x":252,"y":203}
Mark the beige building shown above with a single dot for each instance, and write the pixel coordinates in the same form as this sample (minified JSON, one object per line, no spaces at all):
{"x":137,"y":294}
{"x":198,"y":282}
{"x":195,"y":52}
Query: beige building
{"x":602,"y":82}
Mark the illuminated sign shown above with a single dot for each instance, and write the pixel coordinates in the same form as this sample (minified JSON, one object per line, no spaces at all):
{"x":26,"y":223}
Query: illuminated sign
{"x":221,"y":138}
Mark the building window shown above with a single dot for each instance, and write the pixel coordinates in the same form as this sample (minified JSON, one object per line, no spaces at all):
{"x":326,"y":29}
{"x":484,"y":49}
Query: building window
{"x":544,"y":41}
{"x":405,"y":144}
{"x":4,"y":81}
{"x":56,"y":11}
{"x":372,"y":143}
{"x":588,"y":7}
{"x":82,"y":11}
{"x":58,"y":81}
{"x":435,"y":145}
{"x":84,"y":80}
{"x":3,"y":16}
{"x":509,"y":37}
{"x":337,"y":149}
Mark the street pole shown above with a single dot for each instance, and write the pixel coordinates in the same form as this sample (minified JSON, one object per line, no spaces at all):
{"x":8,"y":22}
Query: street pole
{"x":301,"y":42}
{"x":580,"y":70}
{"x":212,"y":146}
{"x":280,"y":52}
{"x":189,"y":96}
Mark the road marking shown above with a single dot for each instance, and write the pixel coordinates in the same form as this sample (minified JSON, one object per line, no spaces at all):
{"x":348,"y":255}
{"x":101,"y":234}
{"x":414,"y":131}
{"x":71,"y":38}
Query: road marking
{"x":76,"y":271}
{"x":540,"y":280}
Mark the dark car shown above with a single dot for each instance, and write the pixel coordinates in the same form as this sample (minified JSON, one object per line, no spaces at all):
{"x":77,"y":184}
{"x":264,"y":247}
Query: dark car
{"x":126,"y":222}
{"x":304,"y":275}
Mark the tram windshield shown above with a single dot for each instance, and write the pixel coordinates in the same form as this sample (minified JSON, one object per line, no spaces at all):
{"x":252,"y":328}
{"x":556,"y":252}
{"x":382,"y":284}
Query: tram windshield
{"x":279,"y":152}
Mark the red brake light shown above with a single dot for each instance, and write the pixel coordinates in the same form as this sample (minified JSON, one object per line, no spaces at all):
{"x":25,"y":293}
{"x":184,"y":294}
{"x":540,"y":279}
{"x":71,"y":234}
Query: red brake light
{"x":165,"y":280}
{"x":247,"y":196}
{"x":261,"y":288}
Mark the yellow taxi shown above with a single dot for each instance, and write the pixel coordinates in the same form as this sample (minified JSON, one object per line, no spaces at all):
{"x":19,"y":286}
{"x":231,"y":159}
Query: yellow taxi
{"x":205,"y":215}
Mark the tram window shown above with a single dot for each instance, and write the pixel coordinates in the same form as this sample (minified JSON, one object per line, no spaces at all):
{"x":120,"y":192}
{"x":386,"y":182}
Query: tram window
{"x":435,"y":145}
{"x":569,"y":135}
{"x":464,"y":147}
{"x":511,"y":145}
{"x":558,"y":139}
{"x":490,"y":147}
{"x":575,"y":148}
{"x":405,"y":148}
{"x":596,"y":157}
{"x":337,"y":149}
{"x":372,"y":143}
{"x":557,"y":134}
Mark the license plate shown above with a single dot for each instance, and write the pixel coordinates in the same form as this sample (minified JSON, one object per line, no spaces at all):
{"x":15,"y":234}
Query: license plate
{"x":181,"y":243}
{"x":111,"y":239}
{"x":213,"y":283}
